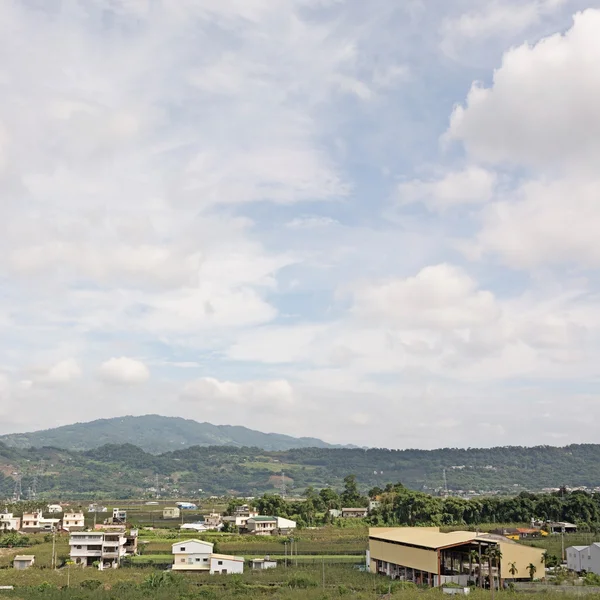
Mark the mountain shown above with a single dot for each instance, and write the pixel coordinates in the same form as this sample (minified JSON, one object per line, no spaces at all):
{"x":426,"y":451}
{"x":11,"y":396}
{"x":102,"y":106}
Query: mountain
{"x":126,"y":471}
{"x":156,"y":434}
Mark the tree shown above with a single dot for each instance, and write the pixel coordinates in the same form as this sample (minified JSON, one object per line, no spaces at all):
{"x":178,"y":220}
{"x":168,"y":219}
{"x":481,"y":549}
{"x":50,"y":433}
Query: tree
{"x":473,"y":559}
{"x":532,"y":570}
{"x":350,"y":495}
{"x":512,"y":569}
{"x":493,"y":555}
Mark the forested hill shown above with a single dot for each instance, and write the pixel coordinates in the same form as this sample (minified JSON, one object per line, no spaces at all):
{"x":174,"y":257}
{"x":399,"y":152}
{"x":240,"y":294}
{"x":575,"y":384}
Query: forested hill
{"x":156,"y":434}
{"x":120,"y":471}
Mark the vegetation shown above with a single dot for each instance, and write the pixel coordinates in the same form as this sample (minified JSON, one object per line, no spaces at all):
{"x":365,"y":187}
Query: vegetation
{"x":155,"y":434}
{"x":126,"y":471}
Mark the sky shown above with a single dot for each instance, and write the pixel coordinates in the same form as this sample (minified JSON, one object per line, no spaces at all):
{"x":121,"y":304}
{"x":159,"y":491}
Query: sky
{"x":372,"y":222}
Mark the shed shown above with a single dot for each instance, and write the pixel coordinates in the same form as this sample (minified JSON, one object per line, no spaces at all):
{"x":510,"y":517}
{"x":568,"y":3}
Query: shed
{"x":263,"y":563}
{"x":23,"y":561}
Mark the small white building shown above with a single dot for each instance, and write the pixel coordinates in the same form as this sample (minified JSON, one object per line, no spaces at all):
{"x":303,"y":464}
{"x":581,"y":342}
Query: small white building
{"x":224,"y":564}
{"x":260,"y":564}
{"x":196,"y":555}
{"x":119,"y":516}
{"x":374,"y":505}
{"x":73,"y":521}
{"x":578,"y":558}
{"x":54,"y":508}
{"x":23,"y":561}
{"x":105,"y":547}
{"x":8,"y":522}
{"x":194,"y":527}
{"x":171,"y":512}
{"x":265,"y":525}
{"x":354,"y":513}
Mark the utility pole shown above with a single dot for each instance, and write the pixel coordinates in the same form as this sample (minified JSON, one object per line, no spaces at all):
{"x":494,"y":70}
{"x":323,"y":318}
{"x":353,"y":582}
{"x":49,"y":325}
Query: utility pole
{"x":156,"y":486}
{"x":53,"y":548}
{"x":323,"y":573}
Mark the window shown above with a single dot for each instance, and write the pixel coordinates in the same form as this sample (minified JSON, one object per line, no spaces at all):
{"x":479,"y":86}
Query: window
{"x":182,"y":560}
{"x":220,"y":562}
{"x":182,"y":549}
{"x":205,"y":559}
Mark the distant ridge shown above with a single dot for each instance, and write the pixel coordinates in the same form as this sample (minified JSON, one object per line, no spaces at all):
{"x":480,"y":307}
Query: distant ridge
{"x":156,"y":434}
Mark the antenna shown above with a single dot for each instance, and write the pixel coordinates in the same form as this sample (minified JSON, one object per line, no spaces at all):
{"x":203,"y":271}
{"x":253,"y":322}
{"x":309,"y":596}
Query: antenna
{"x":32,"y":491}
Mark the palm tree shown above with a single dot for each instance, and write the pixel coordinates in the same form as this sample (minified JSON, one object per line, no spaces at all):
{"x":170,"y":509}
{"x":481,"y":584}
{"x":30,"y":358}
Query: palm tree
{"x":493,"y":556}
{"x":512,"y":569}
{"x":532,"y":570}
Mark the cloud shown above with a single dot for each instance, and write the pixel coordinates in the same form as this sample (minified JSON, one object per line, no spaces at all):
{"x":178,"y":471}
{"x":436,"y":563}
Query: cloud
{"x":540,"y":110}
{"x":441,"y":296}
{"x":62,"y":372}
{"x":471,"y":186}
{"x":272,"y":395}
{"x":124,"y":371}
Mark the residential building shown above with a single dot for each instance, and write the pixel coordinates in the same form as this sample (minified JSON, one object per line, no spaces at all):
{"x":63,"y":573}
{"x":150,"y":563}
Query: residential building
{"x":354,"y":513}
{"x":263,"y":563}
{"x":266,"y":525}
{"x":97,"y":508}
{"x":213,"y":521}
{"x":560,"y":527}
{"x":54,"y":508}
{"x":8,"y":522}
{"x":336,"y":513}
{"x":578,"y":558}
{"x":73,"y":521}
{"x":23,"y":561}
{"x":119,"y":516}
{"x":171,"y":512}
{"x":374,"y":505}
{"x":35,"y":521}
{"x":424,"y":555}
{"x":131,"y":542}
{"x":196,"y":555}
{"x":105,"y":547}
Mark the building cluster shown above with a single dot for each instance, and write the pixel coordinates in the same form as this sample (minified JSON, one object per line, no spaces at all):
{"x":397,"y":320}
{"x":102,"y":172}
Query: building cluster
{"x":244,"y":520}
{"x":35,"y":522}
{"x":584,"y":559}
{"x":424,"y":555}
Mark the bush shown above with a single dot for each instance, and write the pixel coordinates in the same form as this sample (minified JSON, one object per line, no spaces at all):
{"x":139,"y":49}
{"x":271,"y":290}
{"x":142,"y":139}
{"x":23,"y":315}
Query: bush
{"x":301,"y":582}
{"x":90,"y":584}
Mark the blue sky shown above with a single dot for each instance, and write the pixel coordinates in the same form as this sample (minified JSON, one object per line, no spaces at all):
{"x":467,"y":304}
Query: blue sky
{"x":375,"y":223}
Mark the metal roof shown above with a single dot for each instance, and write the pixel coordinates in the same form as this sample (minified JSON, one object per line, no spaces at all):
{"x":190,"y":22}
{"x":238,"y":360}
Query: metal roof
{"x":426,"y":538}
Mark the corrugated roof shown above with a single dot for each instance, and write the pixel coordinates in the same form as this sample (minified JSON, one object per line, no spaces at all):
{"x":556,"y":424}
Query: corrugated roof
{"x":425,"y":538}
{"x":24,"y":557}
{"x":262,"y":518}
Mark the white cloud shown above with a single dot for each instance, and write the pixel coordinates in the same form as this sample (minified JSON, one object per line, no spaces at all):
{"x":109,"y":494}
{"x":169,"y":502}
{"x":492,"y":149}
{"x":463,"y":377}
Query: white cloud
{"x":500,"y":19}
{"x":124,"y":371}
{"x":471,"y":186}
{"x":272,"y":395}
{"x":438,"y":296}
{"x":541,"y":110}
{"x":64,"y":371}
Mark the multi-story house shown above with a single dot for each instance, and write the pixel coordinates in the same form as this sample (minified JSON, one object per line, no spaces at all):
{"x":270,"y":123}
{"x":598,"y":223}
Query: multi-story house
{"x":262,"y":525}
{"x":73,"y":521}
{"x":213,"y":520}
{"x":8,"y":522}
{"x":35,"y":521}
{"x":196,"y":555}
{"x":107,"y":548}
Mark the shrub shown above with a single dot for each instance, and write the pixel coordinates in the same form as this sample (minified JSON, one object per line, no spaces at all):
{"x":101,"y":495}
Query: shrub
{"x":301,"y":582}
{"x":90,"y":584}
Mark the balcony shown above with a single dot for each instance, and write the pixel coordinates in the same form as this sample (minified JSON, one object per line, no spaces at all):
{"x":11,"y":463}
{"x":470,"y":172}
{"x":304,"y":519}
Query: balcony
{"x":75,"y":553}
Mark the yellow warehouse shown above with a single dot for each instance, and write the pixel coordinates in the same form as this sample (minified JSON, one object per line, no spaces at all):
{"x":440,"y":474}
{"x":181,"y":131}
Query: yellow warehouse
{"x":424,"y":555}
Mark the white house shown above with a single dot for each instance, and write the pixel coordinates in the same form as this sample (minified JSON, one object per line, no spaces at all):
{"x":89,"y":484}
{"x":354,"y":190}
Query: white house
{"x":374,"y":505}
{"x":73,"y":521}
{"x":54,"y":508}
{"x":224,"y":564}
{"x":192,"y":555}
{"x":354,"y":513}
{"x":35,"y":521}
{"x":578,"y":558}
{"x":23,"y":561}
{"x":171,"y":512}
{"x":196,"y":555}
{"x":104,"y":547}
{"x":8,"y":522}
{"x":263,"y":563}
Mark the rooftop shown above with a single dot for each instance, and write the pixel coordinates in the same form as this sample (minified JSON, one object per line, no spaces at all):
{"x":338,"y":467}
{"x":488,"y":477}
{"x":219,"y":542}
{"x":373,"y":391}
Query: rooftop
{"x":427,"y":537}
{"x":24,"y":557}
